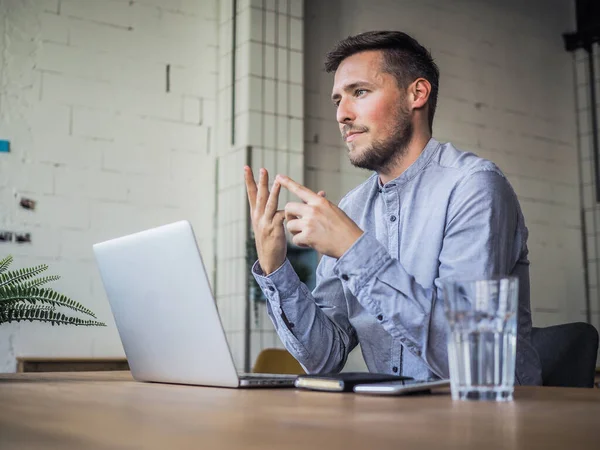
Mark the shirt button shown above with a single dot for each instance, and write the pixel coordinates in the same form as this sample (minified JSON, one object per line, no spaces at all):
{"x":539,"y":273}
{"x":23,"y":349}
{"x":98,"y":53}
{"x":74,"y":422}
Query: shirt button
{"x":394,"y":369}
{"x":379,"y":317}
{"x":271,"y":288}
{"x":292,"y":325}
{"x":344,"y":277}
{"x":393,"y":218}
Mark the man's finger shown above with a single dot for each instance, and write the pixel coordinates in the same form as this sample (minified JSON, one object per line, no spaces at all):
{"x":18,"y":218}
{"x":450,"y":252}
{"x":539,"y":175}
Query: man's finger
{"x":289,"y":217}
{"x":295,"y":226}
{"x":303,"y":192}
{"x":263,"y":191}
{"x":250,"y":186}
{"x":279,"y":217}
{"x":322,"y":194}
{"x":294,"y":210}
{"x":300,"y":240}
{"x":273,"y":200}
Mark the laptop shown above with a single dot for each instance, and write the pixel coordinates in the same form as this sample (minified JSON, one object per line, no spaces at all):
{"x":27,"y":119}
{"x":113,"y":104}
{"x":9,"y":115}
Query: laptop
{"x":165,"y":312}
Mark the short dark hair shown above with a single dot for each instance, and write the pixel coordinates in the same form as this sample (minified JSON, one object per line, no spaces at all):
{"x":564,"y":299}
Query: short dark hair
{"x":404,"y":58}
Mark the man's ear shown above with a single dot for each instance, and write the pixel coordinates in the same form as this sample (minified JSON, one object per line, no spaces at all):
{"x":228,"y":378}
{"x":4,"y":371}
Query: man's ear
{"x":419,"y":91}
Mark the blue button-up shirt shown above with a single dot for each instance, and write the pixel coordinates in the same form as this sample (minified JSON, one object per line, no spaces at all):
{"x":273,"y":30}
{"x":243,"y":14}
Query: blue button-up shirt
{"x":450,"y":214}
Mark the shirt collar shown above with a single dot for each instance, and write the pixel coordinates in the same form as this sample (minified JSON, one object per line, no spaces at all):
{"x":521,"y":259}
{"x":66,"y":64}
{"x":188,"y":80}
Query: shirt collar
{"x":412,"y":170}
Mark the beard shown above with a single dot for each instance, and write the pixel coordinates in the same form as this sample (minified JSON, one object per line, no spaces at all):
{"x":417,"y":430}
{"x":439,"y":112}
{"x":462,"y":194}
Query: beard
{"x":380,"y":156}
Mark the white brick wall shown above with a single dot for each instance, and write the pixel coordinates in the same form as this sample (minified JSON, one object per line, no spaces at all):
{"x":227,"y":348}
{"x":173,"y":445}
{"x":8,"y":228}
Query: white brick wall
{"x":588,"y":185}
{"x":99,"y":143}
{"x":268,"y":118}
{"x":506,"y":93}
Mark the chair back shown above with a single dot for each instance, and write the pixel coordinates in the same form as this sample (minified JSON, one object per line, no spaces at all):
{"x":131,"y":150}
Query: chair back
{"x":277,"y":360}
{"x":567,"y":353}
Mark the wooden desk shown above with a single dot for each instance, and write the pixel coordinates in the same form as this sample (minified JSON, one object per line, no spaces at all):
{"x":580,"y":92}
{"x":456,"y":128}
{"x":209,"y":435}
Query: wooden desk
{"x":106,"y":410}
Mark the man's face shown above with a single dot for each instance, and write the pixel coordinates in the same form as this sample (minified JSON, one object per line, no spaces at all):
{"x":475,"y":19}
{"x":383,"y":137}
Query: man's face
{"x":372,"y":111}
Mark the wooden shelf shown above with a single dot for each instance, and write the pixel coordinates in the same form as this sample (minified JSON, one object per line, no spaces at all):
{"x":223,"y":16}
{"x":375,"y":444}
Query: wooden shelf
{"x":32,"y":364}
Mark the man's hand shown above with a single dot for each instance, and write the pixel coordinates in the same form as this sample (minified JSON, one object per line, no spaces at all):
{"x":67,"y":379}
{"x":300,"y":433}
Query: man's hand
{"x":317,"y":222}
{"x":267,"y":222}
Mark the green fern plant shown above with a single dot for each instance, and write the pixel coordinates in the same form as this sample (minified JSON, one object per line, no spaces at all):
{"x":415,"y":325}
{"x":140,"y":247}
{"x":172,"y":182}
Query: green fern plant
{"x":22,"y":298}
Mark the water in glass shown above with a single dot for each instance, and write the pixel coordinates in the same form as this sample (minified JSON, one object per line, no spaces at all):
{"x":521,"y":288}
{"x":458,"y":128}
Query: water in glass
{"x":482,"y":315}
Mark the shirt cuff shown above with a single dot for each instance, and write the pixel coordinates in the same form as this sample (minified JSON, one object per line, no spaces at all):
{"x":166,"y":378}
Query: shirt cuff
{"x":360,"y":262}
{"x":278,"y":284}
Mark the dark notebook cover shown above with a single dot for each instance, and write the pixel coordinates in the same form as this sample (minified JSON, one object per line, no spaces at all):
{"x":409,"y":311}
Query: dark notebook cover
{"x":342,"y":382}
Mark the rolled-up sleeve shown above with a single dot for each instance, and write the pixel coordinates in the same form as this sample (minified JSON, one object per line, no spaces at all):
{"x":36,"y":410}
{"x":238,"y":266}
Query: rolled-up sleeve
{"x":314,"y":327}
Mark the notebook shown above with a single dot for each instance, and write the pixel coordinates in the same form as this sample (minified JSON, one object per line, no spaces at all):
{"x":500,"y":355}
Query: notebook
{"x":342,"y":382}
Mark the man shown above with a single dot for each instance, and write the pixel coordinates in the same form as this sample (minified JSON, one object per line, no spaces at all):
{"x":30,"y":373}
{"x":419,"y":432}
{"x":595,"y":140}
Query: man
{"x":429,"y":212}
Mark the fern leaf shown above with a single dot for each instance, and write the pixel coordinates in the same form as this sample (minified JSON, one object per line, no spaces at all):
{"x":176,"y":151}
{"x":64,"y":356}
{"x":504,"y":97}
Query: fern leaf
{"x":5,"y":263}
{"x":17,"y":276}
{"x":25,"y":305}
{"x":19,"y":314}
{"x":40,"y":281}
{"x":12,"y":294}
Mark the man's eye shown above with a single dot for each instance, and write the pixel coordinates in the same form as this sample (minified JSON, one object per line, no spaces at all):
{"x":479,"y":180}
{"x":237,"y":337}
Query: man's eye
{"x":360,"y":92}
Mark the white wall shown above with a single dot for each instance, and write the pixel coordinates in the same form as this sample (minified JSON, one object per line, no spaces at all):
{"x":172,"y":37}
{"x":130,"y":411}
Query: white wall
{"x":506,"y":93}
{"x":268,"y":115}
{"x":99,"y":144}
{"x":590,"y":205}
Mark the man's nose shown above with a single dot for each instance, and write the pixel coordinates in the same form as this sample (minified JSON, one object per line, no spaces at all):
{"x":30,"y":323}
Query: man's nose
{"x":345,"y":112}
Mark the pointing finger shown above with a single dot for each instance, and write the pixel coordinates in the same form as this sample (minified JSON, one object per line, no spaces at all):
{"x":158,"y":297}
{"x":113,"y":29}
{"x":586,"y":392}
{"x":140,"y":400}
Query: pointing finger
{"x":303,"y":192}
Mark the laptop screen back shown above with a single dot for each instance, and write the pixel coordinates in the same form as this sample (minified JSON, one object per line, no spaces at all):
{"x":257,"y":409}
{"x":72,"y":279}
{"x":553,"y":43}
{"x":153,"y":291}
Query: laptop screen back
{"x":164,"y":309}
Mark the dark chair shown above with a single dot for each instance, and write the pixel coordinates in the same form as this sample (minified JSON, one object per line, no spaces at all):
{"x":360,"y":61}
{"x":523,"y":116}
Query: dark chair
{"x":567,"y":353}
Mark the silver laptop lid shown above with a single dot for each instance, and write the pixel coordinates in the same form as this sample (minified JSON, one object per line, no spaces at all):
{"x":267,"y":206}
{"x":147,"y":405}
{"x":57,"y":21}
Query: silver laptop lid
{"x":164,"y":309}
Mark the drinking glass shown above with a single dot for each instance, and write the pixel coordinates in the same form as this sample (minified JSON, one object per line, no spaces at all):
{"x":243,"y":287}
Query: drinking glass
{"x":482,"y":315}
